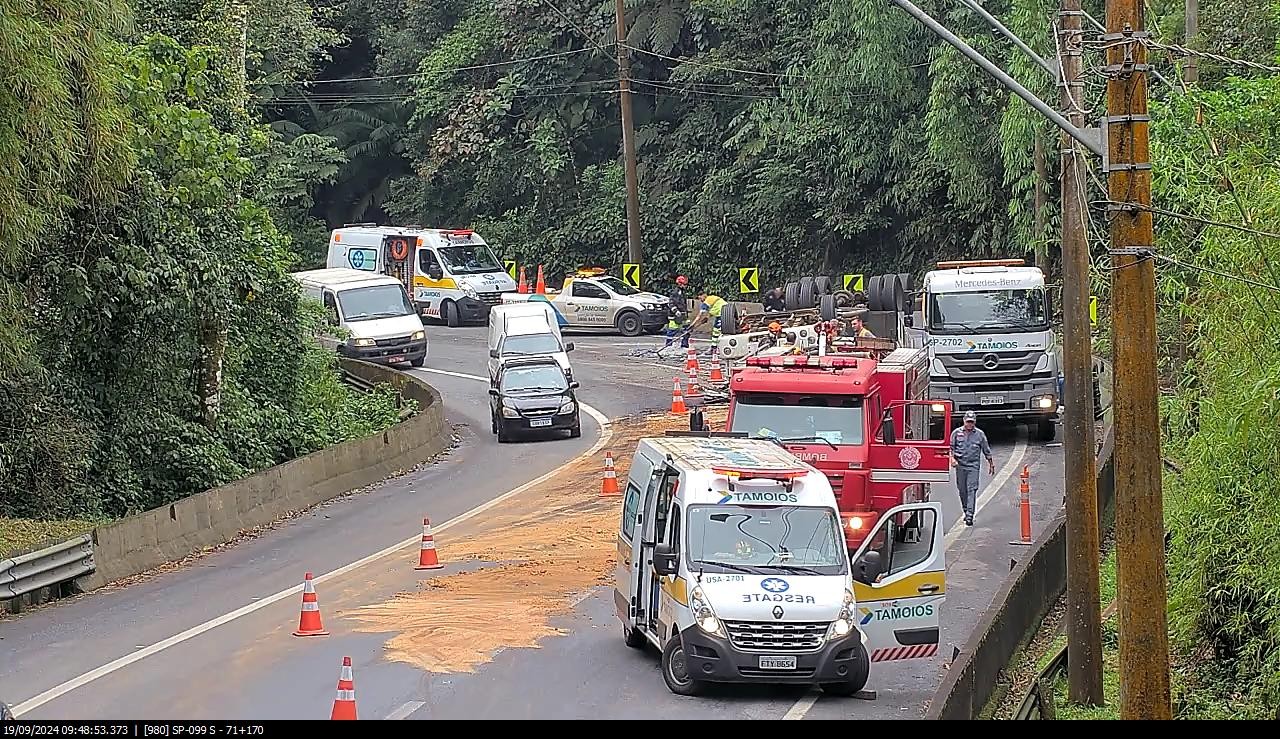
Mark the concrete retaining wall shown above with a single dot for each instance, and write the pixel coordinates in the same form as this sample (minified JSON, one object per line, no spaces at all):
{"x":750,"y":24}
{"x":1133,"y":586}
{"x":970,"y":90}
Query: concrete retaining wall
{"x":147,"y":540}
{"x":1024,"y":599}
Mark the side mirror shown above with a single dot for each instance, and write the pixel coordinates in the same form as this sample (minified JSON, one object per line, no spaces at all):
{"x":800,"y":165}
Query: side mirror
{"x":908,"y":320}
{"x":886,"y":429}
{"x":568,"y":347}
{"x":867,"y":568}
{"x":494,"y":392}
{"x":574,"y":385}
{"x":664,"y":560}
{"x":493,"y":354}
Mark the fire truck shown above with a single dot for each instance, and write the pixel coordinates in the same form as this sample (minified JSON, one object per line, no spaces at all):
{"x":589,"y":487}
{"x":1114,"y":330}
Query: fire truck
{"x":855,"y":408}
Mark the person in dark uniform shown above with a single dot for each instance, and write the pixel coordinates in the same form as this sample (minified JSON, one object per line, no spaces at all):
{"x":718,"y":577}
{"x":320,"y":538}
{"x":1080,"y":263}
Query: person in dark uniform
{"x":773,"y":301}
{"x":678,"y":313}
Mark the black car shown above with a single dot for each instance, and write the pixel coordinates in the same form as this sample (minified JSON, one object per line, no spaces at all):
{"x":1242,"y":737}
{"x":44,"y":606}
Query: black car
{"x":533,"y":394}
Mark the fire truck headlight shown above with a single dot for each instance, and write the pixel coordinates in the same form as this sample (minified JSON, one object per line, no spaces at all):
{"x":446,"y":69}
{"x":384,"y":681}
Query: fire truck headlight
{"x":855,"y":523}
{"x":938,"y":408}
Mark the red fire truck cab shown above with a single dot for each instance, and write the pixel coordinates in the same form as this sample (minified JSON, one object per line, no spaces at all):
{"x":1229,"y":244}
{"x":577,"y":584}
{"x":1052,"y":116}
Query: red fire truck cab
{"x":861,"y":417}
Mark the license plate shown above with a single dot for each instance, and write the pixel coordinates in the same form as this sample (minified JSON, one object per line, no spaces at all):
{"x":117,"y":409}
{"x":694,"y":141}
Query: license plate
{"x":539,"y":422}
{"x":991,"y":400}
{"x":777,"y":663}
{"x":394,"y":360}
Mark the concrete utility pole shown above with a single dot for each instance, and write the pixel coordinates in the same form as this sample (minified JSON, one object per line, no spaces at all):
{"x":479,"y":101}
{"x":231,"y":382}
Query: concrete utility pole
{"x":634,"y":251}
{"x":1084,"y":617}
{"x":1141,"y":579}
{"x":1192,"y":73}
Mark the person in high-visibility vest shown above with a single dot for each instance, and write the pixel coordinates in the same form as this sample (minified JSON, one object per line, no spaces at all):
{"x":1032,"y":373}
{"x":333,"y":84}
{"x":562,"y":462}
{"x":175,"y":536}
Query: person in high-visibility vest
{"x":709,"y":306}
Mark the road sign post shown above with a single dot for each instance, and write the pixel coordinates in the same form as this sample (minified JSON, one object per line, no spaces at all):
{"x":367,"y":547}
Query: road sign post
{"x":631,"y":274}
{"x":510,"y":265}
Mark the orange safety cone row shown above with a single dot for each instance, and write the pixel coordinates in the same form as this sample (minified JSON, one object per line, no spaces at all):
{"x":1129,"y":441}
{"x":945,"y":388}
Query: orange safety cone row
{"x":427,"y":559}
{"x":344,"y":705}
{"x":1024,"y":506}
{"x":541,"y":287}
{"x":523,"y":286}
{"x":309,"y":622}
{"x":677,"y":400}
{"x":610,"y":485}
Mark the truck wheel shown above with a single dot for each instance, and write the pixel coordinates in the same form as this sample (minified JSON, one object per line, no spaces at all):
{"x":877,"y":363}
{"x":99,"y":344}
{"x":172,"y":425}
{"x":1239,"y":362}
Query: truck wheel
{"x":1046,"y":430}
{"x":633,"y":638}
{"x":827,"y":307}
{"x":729,"y":320}
{"x":629,"y":324}
{"x":873,"y":293}
{"x":675,"y":671}
{"x":891,"y":297}
{"x":857,"y":680}
{"x":808,"y":293}
{"x":791,"y":296}
{"x":823,"y":284}
{"x":451,"y":314}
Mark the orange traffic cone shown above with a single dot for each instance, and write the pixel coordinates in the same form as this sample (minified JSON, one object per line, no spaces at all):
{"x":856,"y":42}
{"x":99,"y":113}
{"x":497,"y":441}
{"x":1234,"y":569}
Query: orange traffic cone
{"x":1024,"y":507}
{"x":309,"y":621}
{"x":610,"y":486}
{"x":344,"y":705}
{"x":523,"y":287}
{"x":541,"y":288}
{"x":694,"y":390}
{"x":677,"y":400}
{"x":691,"y":361}
{"x":427,"y":559}
{"x":716,"y":375}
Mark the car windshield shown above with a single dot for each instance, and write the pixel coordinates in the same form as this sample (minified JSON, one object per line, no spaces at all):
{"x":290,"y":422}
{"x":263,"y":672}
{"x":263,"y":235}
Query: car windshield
{"x":617,"y":286}
{"x":379,"y":301}
{"x":765,"y":540}
{"x":995,"y":311}
{"x":810,"y":418}
{"x":531,"y":344}
{"x":469,"y":260}
{"x":534,"y":378}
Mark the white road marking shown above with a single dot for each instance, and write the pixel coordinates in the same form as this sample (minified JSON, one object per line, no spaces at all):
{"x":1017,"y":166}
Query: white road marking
{"x":802,"y":706}
{"x":403,"y":711}
{"x":606,"y":434}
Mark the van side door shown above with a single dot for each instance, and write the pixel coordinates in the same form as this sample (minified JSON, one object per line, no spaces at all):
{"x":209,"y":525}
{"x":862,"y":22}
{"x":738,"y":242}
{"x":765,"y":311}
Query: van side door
{"x":655,"y":511}
{"x":638,"y":479}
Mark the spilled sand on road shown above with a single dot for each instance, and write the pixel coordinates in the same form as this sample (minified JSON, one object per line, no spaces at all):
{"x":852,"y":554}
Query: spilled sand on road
{"x":537,"y":554}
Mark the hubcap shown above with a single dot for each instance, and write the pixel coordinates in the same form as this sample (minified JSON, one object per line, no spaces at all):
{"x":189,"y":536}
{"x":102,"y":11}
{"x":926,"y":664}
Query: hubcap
{"x":679,"y":672}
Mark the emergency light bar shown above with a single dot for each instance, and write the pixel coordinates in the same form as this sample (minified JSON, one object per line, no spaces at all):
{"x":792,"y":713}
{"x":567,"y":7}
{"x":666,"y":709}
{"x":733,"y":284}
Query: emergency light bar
{"x":460,"y":232}
{"x":791,"y":473}
{"x":802,"y":360}
{"x":983,"y":263}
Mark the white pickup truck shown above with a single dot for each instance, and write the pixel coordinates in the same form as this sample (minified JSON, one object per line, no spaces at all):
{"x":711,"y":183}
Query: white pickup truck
{"x":592,"y":300}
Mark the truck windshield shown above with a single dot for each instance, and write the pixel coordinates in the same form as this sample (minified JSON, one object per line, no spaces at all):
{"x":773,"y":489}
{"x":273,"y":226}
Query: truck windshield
{"x":469,"y":260}
{"x":995,"y":311}
{"x":813,"y":418}
{"x":379,"y":301}
{"x":765,"y":540}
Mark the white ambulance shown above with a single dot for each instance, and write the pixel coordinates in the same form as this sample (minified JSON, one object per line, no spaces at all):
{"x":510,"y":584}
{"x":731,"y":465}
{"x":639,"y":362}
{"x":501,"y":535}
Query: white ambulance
{"x":731,"y":562}
{"x":451,"y":274}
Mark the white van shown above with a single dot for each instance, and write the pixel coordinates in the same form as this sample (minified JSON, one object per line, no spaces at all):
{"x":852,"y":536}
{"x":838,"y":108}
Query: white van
{"x":451,"y":274}
{"x":374,"y":309}
{"x":525,"y":330}
{"x":732,"y":563}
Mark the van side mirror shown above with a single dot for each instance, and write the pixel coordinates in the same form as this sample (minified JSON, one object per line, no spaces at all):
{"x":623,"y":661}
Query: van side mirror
{"x":574,"y":385}
{"x":568,"y":347}
{"x":665,"y":561}
{"x":493,"y":354}
{"x":494,"y":392}
{"x":867,"y":568}
{"x":887,"y":434}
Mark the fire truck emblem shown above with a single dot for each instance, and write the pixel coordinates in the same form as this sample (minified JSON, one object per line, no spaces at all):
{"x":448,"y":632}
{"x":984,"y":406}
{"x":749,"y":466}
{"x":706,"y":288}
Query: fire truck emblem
{"x":909,"y":458}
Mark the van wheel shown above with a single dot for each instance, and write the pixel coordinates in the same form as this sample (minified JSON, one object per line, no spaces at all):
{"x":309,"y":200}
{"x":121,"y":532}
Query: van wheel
{"x":858,"y":680}
{"x":675,"y":671}
{"x":451,"y":314}
{"x":633,"y":638}
{"x":629,"y":324}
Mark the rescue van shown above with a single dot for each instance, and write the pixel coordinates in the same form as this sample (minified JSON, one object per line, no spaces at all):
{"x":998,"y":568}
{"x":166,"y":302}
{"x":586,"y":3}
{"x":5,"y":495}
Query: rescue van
{"x":731,"y":562}
{"x":373,"y":309}
{"x":451,"y":274}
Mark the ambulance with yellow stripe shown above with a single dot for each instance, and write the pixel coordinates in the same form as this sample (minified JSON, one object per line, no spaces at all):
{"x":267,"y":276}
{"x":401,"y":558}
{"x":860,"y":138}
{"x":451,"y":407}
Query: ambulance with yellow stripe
{"x":451,"y":274}
{"x":732,"y":563}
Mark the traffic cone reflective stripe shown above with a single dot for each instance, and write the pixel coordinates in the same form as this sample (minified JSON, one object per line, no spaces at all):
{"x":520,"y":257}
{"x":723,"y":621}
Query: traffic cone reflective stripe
{"x":309,"y":622}
{"x":677,"y":400}
{"x":427,"y":559}
{"x":344,"y":705}
{"x":610,"y":486}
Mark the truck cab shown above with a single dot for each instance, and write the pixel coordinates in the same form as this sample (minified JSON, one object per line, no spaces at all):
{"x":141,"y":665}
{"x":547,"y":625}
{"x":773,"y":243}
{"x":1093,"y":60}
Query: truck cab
{"x":861,"y":417}
{"x":992,"y":348}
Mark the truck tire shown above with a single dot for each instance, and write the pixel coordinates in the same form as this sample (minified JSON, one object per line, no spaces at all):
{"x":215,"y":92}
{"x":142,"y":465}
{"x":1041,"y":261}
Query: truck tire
{"x":873,"y":292}
{"x":629,"y":324}
{"x":675,"y":671}
{"x":729,"y":320}
{"x":827,"y":307}
{"x":908,"y":280}
{"x":824,"y":285}
{"x":1046,"y":430}
{"x":857,"y":680}
{"x":891,"y":298}
{"x":808,"y":293}
{"x":791,"y":296}
{"x":451,"y":314}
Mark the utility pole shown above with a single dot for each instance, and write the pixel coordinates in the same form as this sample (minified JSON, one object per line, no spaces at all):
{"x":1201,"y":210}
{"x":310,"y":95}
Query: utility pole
{"x":1192,"y":73}
{"x":634,"y":252}
{"x":1141,"y":578}
{"x":1084,"y":617}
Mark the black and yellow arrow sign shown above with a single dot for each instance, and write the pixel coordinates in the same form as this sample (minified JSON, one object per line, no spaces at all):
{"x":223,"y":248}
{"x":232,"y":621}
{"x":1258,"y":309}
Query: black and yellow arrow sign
{"x":1093,"y":310}
{"x":510,"y":265}
{"x":853,"y":282}
{"x":749,"y":279}
{"x":631,"y":275}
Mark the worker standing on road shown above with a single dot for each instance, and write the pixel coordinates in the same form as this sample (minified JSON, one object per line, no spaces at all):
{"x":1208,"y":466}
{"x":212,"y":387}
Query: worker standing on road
{"x":968,"y":447}
{"x":678,"y":313}
{"x":709,"y":307}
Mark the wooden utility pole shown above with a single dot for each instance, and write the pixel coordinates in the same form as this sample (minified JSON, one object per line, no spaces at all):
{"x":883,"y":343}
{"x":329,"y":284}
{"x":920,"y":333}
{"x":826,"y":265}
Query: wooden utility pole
{"x":634,"y":251}
{"x":1191,"y":74}
{"x":1084,"y":616}
{"x":1141,"y":580}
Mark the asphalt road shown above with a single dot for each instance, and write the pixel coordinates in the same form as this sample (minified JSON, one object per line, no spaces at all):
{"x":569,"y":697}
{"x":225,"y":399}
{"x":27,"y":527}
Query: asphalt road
{"x":212,"y":639}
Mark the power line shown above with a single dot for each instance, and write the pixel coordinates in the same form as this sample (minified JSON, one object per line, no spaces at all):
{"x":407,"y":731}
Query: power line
{"x":1210,"y":55}
{"x":449,"y":69}
{"x":1195,"y":219}
{"x":1226,"y":275}
{"x":711,"y":66}
{"x":581,"y":32}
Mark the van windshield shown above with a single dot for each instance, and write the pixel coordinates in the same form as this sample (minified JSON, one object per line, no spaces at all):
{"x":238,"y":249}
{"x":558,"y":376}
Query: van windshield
{"x":808,"y":418}
{"x":469,"y":260}
{"x":525,"y":344}
{"x":378,"y":301}
{"x":765,"y":540}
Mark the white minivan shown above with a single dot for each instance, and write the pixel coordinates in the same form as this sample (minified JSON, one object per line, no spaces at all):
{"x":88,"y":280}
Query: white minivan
{"x":525,"y":330}
{"x":374,"y":309}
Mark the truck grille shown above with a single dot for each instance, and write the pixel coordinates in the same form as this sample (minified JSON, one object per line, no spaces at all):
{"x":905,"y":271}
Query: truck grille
{"x":394,"y":341}
{"x":492,"y":298}
{"x":763,"y":636}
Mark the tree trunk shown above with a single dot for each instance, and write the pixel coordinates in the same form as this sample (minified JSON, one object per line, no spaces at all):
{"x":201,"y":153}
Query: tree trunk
{"x":213,"y":347}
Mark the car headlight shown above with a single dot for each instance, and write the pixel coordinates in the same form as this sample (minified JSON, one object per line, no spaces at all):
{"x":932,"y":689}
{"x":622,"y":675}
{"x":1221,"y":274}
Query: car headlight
{"x":509,"y":411}
{"x":365,"y":342}
{"x":567,"y":406}
{"x":702,"y":613}
{"x":1044,"y":402}
{"x":844,"y":620}
{"x":418,"y":336}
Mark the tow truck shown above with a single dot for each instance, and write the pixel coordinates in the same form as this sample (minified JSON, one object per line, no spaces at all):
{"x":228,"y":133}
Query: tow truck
{"x":592,"y":299}
{"x":855,"y":408}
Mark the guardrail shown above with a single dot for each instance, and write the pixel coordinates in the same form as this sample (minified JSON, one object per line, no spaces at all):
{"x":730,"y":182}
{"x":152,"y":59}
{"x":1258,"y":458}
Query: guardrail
{"x":1037,"y":703}
{"x":46,"y":567}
